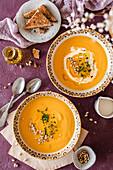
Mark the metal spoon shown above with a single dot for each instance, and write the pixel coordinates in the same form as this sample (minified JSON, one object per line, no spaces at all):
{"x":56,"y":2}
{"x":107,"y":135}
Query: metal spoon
{"x":17,"y":88}
{"x":31,"y":87}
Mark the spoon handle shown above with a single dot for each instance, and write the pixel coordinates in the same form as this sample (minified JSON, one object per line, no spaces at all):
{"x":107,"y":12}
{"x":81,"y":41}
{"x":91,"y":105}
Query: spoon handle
{"x":2,"y":109}
{"x":5,"y":114}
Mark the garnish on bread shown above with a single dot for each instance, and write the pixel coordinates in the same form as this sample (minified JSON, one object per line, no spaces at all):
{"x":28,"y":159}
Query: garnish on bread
{"x":38,"y":20}
{"x":43,"y":10}
{"x":36,"y":53}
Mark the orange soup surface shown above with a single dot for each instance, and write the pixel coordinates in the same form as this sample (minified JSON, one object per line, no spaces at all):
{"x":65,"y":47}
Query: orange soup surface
{"x":46,"y":124}
{"x":80,"y":63}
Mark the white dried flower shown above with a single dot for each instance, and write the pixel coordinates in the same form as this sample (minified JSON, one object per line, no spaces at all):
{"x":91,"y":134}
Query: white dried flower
{"x":91,"y":15}
{"x":83,"y":26}
{"x":92,"y":26}
{"x":111,"y":13}
{"x":84,"y":20}
{"x":101,"y":30}
{"x":86,"y":14}
{"x":106,"y":29}
{"x":105,"y":15}
{"x":77,"y":28}
{"x":79,"y":9}
{"x":72,"y":14}
{"x":66,"y":26}
{"x":69,"y":20}
{"x":72,"y":26}
{"x":77,"y":20}
{"x":100,"y":25}
{"x":106,"y":36}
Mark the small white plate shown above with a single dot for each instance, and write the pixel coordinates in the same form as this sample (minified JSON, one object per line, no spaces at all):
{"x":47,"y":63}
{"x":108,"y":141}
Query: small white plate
{"x":30,"y":35}
{"x":91,"y":161}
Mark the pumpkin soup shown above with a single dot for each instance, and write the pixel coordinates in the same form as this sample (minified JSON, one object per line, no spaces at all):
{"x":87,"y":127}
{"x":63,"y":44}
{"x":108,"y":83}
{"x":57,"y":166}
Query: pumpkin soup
{"x":80,"y":63}
{"x":46,"y":124}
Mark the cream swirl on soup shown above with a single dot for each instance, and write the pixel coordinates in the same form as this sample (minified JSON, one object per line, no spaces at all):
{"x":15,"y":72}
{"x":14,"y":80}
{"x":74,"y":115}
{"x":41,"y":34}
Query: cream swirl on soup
{"x":80,"y":65}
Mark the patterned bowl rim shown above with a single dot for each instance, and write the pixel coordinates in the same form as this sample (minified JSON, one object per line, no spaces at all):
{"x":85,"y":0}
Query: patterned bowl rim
{"x":53,"y":155}
{"x":58,"y":84}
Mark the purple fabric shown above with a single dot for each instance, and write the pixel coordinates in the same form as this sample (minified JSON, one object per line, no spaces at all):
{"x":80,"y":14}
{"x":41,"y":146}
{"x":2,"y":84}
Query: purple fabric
{"x":68,"y":6}
{"x":9,"y":29}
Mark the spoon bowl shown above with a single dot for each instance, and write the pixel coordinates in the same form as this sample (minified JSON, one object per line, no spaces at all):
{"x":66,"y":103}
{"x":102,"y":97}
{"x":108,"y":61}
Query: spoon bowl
{"x":18,"y":85}
{"x":33,"y":85}
{"x":17,"y":88}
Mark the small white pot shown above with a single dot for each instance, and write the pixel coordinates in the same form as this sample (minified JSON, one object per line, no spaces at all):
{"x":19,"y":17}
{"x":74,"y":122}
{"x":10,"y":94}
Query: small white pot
{"x":96,"y":106}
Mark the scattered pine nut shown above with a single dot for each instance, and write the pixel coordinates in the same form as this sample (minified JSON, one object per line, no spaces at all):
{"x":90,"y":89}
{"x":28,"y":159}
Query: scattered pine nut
{"x":13,"y":160}
{"x":90,"y":119}
{"x":5,"y":87}
{"x":21,"y":66}
{"x":25,"y":160}
{"x":16,"y":165}
{"x":9,"y":84}
{"x":95,"y":122}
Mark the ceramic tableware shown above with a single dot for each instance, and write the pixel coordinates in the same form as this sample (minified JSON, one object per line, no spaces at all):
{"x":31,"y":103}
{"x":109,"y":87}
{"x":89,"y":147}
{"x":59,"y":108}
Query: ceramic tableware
{"x":92,"y":158}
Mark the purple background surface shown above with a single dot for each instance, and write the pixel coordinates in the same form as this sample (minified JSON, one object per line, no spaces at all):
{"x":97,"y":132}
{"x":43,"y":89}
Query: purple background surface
{"x":100,"y":137}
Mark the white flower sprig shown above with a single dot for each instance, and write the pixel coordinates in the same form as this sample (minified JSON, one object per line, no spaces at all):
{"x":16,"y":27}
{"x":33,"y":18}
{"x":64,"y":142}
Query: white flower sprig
{"x":80,"y":23}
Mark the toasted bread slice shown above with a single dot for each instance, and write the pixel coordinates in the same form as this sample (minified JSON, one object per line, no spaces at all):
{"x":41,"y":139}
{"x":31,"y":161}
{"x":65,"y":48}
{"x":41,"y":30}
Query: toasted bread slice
{"x":36,"y":53}
{"x":29,"y":14}
{"x":43,"y":10}
{"x":38,"y":20}
{"x":42,"y":30}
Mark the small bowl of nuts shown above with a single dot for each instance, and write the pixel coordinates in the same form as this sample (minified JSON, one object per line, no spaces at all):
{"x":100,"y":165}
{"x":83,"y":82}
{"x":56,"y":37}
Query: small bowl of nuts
{"x":84,"y":157}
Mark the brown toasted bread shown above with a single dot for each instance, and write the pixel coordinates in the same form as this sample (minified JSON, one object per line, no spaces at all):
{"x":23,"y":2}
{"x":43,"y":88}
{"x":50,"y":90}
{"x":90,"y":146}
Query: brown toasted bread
{"x":42,"y":30}
{"x":38,"y":20}
{"x":43,"y":10}
{"x":29,"y":14}
{"x":36,"y":53}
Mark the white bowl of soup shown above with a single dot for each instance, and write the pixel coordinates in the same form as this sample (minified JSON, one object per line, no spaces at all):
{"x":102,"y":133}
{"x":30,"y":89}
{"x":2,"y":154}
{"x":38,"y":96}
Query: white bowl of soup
{"x":79,"y":63}
{"x":47,"y":125}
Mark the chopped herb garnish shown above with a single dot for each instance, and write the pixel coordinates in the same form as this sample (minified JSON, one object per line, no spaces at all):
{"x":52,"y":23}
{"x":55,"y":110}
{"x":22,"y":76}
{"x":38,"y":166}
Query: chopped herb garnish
{"x":89,"y":70}
{"x":81,"y":75}
{"x":79,"y":104}
{"x":46,"y":109}
{"x":38,"y":110}
{"x":91,"y":76}
{"x":45,"y":129}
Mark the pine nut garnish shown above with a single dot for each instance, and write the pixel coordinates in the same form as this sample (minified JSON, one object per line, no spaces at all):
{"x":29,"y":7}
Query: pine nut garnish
{"x":95,"y":122}
{"x":13,"y":160}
